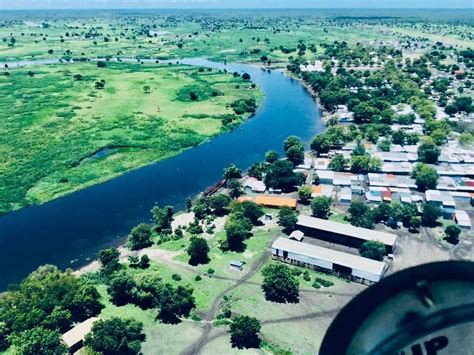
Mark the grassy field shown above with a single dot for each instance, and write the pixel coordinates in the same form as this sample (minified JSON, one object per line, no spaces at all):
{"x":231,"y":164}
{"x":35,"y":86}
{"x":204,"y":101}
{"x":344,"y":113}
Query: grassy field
{"x":59,"y":134}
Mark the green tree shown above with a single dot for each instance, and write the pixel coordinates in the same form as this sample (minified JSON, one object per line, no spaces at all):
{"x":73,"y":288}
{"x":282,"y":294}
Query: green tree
{"x":295,"y":154}
{"x":116,"y":336}
{"x":373,"y":250}
{"x":237,"y":230}
{"x":109,"y":259}
{"x":232,"y":172}
{"x":144,"y":262}
{"x":235,"y":188}
{"x":281,"y":176}
{"x":384,"y":145}
{"x":244,"y":332}
{"x":425,"y":176}
{"x":250,"y":210}
{"x":428,"y":151}
{"x":39,"y":341}
{"x":360,"y":164}
{"x":162,"y":218}
{"x":287,"y":218}
{"x":452,"y":234}
{"x":321,"y":144}
{"x":271,"y":156}
{"x":279,"y":284}
{"x":198,"y":251}
{"x":321,"y":206}
{"x":338,"y":163}
{"x":415,"y":223}
{"x":304,"y":194}
{"x":361,"y":215}
{"x":430,"y":215}
{"x":140,"y":237}
{"x":175,"y":302}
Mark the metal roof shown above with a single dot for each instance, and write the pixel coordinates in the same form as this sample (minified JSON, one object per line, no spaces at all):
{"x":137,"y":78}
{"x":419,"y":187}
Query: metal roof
{"x":78,"y":332}
{"x":333,"y":256}
{"x":346,"y":229}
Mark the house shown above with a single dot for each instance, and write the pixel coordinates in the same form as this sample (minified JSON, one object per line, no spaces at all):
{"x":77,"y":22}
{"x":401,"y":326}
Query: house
{"x":74,"y":338}
{"x":254,"y":184}
{"x":321,"y":190}
{"x":342,"y":233}
{"x":443,"y":200}
{"x":462,"y":219}
{"x":270,"y":201}
{"x":237,"y":265}
{"x":350,"y":266}
{"x":297,"y":235}
{"x":345,"y":196}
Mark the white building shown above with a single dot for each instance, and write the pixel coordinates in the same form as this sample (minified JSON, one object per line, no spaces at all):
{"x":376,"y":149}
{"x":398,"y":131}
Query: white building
{"x":352,"y":266}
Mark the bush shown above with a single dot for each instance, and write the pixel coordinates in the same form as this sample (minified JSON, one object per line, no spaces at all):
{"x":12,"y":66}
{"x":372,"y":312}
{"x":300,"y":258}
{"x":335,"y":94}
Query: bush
{"x":323,"y":282}
{"x":176,"y":277}
{"x":198,"y":278}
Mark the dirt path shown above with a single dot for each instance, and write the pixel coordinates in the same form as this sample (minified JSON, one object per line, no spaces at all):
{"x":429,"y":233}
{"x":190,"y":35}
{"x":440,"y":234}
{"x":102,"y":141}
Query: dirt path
{"x":199,"y":344}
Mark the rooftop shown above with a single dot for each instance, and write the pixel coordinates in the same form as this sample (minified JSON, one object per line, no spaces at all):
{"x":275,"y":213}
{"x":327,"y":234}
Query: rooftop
{"x":329,"y":255}
{"x":78,"y":332}
{"x":347,"y":229}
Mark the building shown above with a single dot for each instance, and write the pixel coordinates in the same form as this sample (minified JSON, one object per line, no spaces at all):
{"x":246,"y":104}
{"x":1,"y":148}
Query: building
{"x":443,"y":199}
{"x":270,"y":201}
{"x":254,"y":184}
{"x":237,"y":265}
{"x":341,"y":233}
{"x":297,"y":236}
{"x":462,"y":219}
{"x":74,"y":338}
{"x":321,"y":190}
{"x":351,"y":266}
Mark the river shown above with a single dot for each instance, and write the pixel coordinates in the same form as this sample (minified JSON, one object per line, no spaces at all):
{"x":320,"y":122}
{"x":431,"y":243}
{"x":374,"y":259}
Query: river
{"x":70,"y":230}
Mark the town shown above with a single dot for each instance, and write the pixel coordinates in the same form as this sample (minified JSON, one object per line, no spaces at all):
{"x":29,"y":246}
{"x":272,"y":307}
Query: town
{"x":265,"y":256}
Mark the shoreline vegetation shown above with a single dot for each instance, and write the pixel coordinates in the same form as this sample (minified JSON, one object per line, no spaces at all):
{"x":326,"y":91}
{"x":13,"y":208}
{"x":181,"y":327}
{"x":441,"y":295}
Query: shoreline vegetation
{"x":197,"y":105}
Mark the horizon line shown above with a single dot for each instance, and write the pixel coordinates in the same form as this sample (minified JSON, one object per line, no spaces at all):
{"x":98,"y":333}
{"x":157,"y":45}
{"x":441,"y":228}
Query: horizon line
{"x":238,"y":8}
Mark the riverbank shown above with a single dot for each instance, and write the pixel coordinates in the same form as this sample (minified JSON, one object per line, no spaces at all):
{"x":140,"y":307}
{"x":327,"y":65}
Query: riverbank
{"x":76,"y":226}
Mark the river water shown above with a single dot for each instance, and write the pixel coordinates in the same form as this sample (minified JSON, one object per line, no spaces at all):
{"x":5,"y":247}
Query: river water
{"x":70,"y":230}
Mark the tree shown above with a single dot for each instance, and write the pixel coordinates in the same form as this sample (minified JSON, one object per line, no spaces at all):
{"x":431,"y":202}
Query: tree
{"x":321,"y":206}
{"x":295,"y":154}
{"x":452,"y":234}
{"x":198,"y":251}
{"x":162,"y":217}
{"x":140,"y":237}
{"x":109,"y":259}
{"x":175,"y":302}
{"x":232,"y":172}
{"x":337,"y":163}
{"x":383,"y":212}
{"x":279,"y":284}
{"x":287,"y":218}
{"x":425,"y":176}
{"x":39,"y":341}
{"x":120,"y":289}
{"x":304,"y":194}
{"x":250,"y":210}
{"x":428,"y":151}
{"x":373,"y":250}
{"x":360,"y":164}
{"x":246,"y":76}
{"x":360,"y":215}
{"x":430,"y":215}
{"x":116,"y":336}
{"x":415,"y":223}
{"x":321,"y":144}
{"x":291,"y":141}
{"x":271,"y":156}
{"x":235,"y":188}
{"x":384,"y":145}
{"x":147,"y":89}
{"x":144,"y":262}
{"x":244,"y":332}
{"x":189,"y":203}
{"x":237,"y":230}
{"x":281,"y":176}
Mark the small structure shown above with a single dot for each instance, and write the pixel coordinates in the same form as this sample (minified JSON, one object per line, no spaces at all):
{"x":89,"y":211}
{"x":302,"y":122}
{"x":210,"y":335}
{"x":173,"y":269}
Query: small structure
{"x":321,"y":190}
{"x":462,"y":219}
{"x":297,"y":236}
{"x":74,"y":338}
{"x":342,"y":233}
{"x":237,"y":265}
{"x":345,"y":196}
{"x":442,"y":199}
{"x":350,"y":266}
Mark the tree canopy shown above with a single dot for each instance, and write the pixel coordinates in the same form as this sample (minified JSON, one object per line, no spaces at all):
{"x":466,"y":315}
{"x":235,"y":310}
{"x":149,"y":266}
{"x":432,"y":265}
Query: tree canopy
{"x":244,"y":332}
{"x":279,"y":284}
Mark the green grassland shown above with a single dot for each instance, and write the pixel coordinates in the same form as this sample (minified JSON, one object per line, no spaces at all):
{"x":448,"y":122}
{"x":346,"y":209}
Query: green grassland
{"x":52,"y":125}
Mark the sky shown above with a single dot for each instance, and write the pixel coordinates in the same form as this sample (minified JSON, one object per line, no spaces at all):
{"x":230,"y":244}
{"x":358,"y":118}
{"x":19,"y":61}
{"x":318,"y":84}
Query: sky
{"x":105,"y":4}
